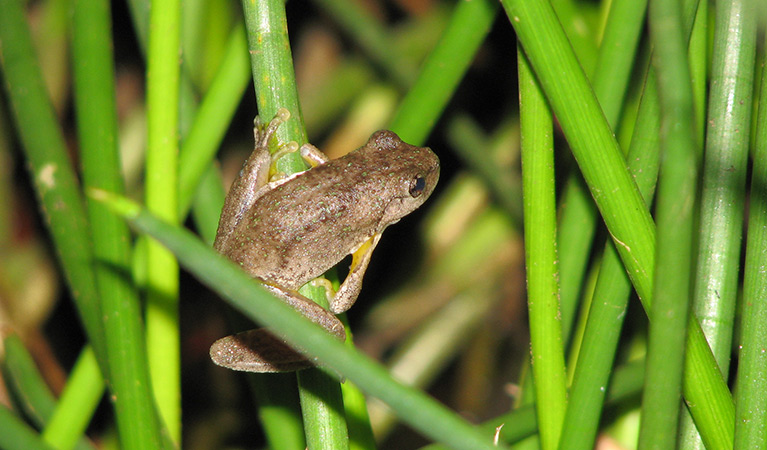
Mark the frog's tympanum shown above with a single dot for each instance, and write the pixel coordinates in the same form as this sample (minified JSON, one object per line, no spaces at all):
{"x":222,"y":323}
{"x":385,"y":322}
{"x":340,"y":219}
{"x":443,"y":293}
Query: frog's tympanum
{"x":291,"y":230}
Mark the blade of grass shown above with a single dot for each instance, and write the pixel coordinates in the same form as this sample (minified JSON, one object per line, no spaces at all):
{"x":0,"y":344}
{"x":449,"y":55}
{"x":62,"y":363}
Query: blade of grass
{"x":724,"y":175}
{"x":416,"y":408}
{"x":675,"y":208}
{"x":50,"y":169}
{"x":750,"y":398}
{"x":97,"y":129}
{"x":698,"y":56}
{"x":17,"y":435}
{"x":162,"y":332}
{"x":35,"y":399}
{"x":578,"y":216}
{"x":724,"y":179}
{"x":614,"y":192}
{"x":548,"y":361}
{"x":77,"y":403}
{"x":443,"y":70}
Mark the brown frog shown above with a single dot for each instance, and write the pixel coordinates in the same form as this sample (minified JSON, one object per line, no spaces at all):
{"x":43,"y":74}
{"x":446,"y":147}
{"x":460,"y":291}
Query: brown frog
{"x":289,"y":231}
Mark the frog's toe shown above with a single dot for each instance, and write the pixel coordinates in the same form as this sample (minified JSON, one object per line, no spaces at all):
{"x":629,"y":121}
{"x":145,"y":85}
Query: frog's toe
{"x":263,"y":132}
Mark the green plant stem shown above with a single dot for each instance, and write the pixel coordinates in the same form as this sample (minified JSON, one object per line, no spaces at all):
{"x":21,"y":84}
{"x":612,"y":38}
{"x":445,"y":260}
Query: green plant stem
{"x":17,"y":435}
{"x":548,"y":362}
{"x":614,"y":192}
{"x":443,"y":70}
{"x":33,"y":396}
{"x":750,"y":398}
{"x":416,"y":408}
{"x":724,"y":175}
{"x":579,"y":217}
{"x":698,"y":57}
{"x":162,"y":333}
{"x":590,"y":138}
{"x":676,"y":205}
{"x":77,"y":403}
{"x":50,"y":169}
{"x":97,"y":125}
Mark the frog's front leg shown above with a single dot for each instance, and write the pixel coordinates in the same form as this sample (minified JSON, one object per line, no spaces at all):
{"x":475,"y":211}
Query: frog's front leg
{"x":261,"y":351}
{"x":350,"y":289}
{"x":251,"y":181}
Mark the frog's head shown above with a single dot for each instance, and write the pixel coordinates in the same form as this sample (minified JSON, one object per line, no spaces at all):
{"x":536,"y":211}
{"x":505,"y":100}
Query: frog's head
{"x":413,"y":174}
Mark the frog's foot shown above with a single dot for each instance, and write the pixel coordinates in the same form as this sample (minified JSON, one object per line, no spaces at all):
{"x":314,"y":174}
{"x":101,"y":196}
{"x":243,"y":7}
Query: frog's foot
{"x":313,"y":155}
{"x":263,"y":133}
{"x":257,"y":351}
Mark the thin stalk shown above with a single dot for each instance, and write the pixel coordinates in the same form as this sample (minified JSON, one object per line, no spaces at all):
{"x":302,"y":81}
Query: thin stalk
{"x":33,"y":396}
{"x":750,"y":398}
{"x":578,"y":217}
{"x":724,"y":175}
{"x":50,"y":169}
{"x":15,"y":434}
{"x":443,"y":69}
{"x":97,"y":129}
{"x":77,"y":403}
{"x":675,"y":208}
{"x":548,"y":361}
{"x":698,"y":54}
{"x":162,"y":332}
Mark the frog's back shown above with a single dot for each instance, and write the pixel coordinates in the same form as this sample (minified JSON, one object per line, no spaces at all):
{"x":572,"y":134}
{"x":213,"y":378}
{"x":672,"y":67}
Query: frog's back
{"x":302,"y":228}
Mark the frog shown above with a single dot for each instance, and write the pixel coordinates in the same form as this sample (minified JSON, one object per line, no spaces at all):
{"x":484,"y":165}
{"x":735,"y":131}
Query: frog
{"x":286,"y":231}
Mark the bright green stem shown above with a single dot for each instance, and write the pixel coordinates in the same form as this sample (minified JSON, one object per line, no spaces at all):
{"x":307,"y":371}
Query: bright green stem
{"x":548,"y":362}
{"x":675,"y":208}
{"x":750,"y":398}
{"x":77,"y":404}
{"x":724,"y":175}
{"x":443,"y":70}
{"x":97,"y":128}
{"x":162,"y":332}
{"x":50,"y":169}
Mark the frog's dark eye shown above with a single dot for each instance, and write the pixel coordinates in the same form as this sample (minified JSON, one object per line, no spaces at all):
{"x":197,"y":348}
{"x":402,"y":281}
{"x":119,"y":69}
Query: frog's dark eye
{"x":417,"y":186}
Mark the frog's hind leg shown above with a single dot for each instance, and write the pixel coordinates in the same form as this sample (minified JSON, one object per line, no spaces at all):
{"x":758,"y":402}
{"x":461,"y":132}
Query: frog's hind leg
{"x":261,"y":351}
{"x":350,"y":289}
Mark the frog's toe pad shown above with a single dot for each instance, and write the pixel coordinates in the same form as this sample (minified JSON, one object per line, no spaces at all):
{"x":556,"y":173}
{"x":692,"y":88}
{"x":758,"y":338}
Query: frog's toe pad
{"x":257,"y":351}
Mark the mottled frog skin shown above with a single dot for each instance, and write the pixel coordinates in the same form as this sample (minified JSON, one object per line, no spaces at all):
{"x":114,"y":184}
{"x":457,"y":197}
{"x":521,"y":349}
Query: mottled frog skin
{"x":290,"y":231}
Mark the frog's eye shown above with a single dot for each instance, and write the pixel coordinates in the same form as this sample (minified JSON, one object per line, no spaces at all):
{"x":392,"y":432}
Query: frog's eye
{"x":417,"y":186}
